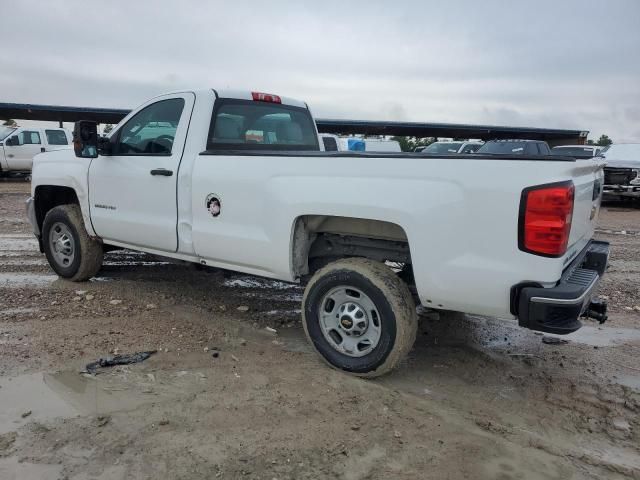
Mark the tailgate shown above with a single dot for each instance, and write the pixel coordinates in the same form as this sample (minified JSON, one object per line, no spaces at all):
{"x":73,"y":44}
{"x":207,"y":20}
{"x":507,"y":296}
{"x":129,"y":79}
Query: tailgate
{"x":588,"y":179}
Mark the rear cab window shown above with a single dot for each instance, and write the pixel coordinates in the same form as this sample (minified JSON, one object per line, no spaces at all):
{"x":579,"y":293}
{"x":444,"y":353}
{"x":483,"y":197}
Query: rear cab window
{"x":255,"y":125}
{"x":56,"y":137}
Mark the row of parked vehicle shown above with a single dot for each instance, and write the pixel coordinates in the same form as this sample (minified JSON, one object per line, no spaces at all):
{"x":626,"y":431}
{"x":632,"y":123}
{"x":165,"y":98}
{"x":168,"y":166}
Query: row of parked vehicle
{"x":18,"y":146}
{"x":621,"y":175}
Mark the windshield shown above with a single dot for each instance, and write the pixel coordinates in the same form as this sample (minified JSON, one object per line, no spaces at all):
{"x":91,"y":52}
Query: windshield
{"x":443,"y":147}
{"x":6,"y":131}
{"x":571,"y":151}
{"x":511,"y":148}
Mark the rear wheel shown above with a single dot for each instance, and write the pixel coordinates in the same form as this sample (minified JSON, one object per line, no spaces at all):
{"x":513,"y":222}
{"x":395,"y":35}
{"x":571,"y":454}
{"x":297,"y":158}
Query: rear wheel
{"x":359,"y":316}
{"x":70,"y":251}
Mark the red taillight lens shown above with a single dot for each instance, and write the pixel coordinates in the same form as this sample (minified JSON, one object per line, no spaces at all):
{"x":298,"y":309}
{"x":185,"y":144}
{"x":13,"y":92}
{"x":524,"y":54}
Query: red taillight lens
{"x":265,"y":97}
{"x":545,"y":219}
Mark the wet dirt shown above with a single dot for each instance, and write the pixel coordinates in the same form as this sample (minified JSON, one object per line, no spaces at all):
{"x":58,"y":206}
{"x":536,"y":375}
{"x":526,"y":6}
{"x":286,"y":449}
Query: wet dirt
{"x":239,"y":393}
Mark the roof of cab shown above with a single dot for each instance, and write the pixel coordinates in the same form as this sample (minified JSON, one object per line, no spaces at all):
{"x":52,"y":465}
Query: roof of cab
{"x":247,"y":95}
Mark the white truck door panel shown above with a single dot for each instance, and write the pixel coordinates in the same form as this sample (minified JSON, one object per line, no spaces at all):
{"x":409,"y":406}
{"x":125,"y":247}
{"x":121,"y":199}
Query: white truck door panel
{"x":20,"y":157}
{"x":132,"y":192}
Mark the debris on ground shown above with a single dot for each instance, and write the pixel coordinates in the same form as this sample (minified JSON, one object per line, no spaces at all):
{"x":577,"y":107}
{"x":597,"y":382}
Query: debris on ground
{"x":243,"y":308}
{"x":554,"y":340}
{"x":115,"y":302}
{"x":26,"y":414}
{"x":102,"y":420}
{"x":118,"y":360}
{"x":271,"y":330}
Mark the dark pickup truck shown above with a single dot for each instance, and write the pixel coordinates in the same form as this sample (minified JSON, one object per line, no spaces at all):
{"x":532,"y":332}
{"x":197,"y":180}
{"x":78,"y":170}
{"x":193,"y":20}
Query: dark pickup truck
{"x":622,"y":172}
{"x":515,"y":147}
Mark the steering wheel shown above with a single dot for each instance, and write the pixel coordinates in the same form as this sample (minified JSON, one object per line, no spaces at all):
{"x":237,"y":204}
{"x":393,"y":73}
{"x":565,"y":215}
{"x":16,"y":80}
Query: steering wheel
{"x":165,"y":142}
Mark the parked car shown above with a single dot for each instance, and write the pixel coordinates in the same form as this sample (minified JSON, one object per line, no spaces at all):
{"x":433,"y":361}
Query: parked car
{"x":622,"y":173}
{"x":238,"y":181}
{"x":577,"y":150}
{"x":439,"y":148}
{"x":515,"y":147}
{"x":334,"y":143}
{"x":18,"y":146}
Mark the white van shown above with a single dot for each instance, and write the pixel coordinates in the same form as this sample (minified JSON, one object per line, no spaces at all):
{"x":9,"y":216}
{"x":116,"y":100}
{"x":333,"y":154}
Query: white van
{"x":18,"y":146}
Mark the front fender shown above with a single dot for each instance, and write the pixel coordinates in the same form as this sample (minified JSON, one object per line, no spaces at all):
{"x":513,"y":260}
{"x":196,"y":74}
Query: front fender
{"x":62,"y":168}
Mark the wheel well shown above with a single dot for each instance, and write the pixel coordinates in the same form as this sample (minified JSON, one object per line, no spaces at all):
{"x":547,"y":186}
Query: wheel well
{"x":50,"y":196}
{"x":320,"y":239}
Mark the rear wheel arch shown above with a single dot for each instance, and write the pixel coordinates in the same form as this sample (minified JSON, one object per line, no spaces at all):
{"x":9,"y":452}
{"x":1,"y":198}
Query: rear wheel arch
{"x":319,"y":239}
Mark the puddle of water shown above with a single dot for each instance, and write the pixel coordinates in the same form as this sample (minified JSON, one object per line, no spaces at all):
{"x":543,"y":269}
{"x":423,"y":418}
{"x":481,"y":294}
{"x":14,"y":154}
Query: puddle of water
{"x":134,"y":264}
{"x":631,"y":381}
{"x":26,"y":393}
{"x":14,"y":280}
{"x":285,"y":297}
{"x":284,"y":313}
{"x":19,"y":262}
{"x":61,"y":395}
{"x":12,"y":469}
{"x":18,"y":310}
{"x":18,"y":244}
{"x":256,"y":282}
{"x":606,"y":337}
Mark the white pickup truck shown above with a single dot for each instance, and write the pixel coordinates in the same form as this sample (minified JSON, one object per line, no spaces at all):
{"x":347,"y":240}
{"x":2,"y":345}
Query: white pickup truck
{"x":237,"y":181}
{"x":18,"y":146}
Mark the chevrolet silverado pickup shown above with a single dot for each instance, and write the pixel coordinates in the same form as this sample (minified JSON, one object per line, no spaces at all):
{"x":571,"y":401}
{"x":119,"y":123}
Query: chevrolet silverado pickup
{"x":237,"y":180}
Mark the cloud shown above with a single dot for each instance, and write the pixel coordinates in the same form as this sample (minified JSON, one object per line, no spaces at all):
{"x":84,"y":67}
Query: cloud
{"x":545,"y":63}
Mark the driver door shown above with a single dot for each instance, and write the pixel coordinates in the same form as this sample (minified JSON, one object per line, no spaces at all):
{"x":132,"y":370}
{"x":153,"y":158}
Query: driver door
{"x":20,"y":157}
{"x":132,"y":192}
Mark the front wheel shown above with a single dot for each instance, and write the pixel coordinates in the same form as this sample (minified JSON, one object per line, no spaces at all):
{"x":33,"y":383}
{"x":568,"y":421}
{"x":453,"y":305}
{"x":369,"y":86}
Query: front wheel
{"x":359,"y":316}
{"x":70,"y":251}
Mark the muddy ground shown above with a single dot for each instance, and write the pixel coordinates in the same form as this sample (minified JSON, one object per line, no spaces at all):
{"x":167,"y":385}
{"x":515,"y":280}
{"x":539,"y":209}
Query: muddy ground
{"x":225,"y":397}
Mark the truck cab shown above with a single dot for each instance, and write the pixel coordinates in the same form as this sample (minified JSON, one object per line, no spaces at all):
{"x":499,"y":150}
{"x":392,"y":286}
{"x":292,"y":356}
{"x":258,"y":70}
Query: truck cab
{"x":18,"y":146}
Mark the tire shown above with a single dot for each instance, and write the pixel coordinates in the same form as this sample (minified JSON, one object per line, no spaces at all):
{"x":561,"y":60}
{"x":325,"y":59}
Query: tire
{"x":388,"y":309}
{"x":75,"y":256}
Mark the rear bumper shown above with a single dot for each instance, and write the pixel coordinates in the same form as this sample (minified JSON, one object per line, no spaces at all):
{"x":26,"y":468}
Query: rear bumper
{"x":557,"y":309}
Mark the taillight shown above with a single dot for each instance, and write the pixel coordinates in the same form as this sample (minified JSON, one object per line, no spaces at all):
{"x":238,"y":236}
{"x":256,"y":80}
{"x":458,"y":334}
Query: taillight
{"x":545,"y":219}
{"x":265,"y":97}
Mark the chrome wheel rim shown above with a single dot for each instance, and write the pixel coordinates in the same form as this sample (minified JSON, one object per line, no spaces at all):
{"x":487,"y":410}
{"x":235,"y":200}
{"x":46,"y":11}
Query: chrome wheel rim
{"x":61,"y":244}
{"x":350,"y":321}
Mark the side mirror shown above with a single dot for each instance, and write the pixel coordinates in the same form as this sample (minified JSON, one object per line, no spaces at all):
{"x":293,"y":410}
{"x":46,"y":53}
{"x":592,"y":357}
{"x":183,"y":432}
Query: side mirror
{"x":13,"y":141}
{"x":85,"y":139}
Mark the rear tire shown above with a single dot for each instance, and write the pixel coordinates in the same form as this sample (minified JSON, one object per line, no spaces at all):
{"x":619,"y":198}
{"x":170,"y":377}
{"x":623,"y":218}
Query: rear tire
{"x":359,"y":316}
{"x":70,"y":251}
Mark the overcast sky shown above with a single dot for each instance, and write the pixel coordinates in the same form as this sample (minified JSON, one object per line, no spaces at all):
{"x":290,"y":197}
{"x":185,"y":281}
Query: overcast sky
{"x":559,"y":63}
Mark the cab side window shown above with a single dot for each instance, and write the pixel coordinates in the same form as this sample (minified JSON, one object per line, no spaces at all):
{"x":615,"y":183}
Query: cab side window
{"x":56,"y":137}
{"x":152,"y":130}
{"x":28,"y":137}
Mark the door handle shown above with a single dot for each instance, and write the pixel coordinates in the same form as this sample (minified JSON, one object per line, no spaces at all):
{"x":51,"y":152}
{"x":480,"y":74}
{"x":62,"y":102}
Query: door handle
{"x":162,"y":171}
